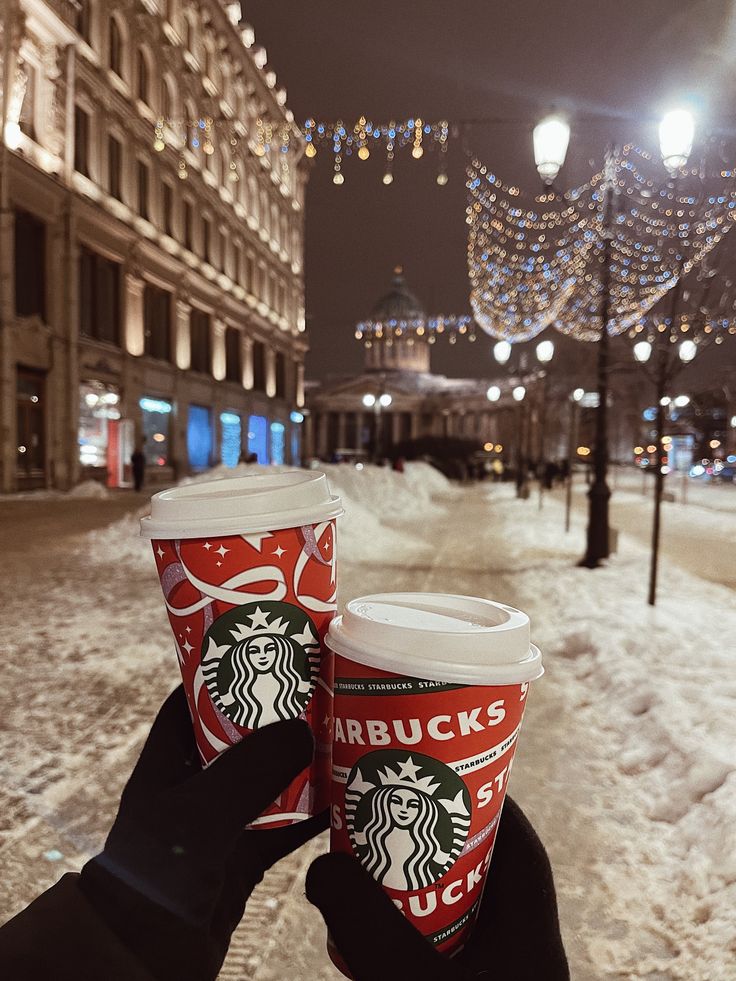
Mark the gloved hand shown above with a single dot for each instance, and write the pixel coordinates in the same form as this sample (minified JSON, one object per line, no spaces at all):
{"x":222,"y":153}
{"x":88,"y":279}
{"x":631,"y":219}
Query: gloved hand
{"x":516,"y":936}
{"x":177,"y":868}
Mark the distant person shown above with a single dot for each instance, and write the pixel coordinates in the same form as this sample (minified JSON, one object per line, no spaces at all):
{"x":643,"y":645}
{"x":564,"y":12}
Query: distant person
{"x":497,"y":470}
{"x":138,"y":462}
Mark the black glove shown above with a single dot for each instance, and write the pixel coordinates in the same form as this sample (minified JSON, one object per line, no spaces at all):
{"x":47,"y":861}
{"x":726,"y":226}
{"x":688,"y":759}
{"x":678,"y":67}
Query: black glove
{"x":177,"y":868}
{"x":516,"y":936}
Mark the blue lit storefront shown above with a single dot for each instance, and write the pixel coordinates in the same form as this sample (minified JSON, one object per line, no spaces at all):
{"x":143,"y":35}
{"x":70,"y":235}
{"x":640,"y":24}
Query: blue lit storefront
{"x":199,"y":438}
{"x":156,"y":430}
{"x":230,"y":438}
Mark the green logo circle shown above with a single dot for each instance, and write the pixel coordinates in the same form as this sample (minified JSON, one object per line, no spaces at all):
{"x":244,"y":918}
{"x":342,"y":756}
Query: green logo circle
{"x":260,"y":662}
{"x":408,"y":817}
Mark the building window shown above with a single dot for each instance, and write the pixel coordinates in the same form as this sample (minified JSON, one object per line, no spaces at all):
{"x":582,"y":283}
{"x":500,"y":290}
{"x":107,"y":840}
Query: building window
{"x":206,"y":239}
{"x":280,"y":375}
{"x":30,"y":265}
{"x":259,"y":366}
{"x":167,"y":204}
{"x":188,"y":224}
{"x":200,"y":340}
{"x":81,"y":141}
{"x":116,"y":47}
{"x":26,"y":120}
{"x":250,"y":273}
{"x":233,"y":370}
{"x":157,"y":322}
{"x":99,"y":297}
{"x":258,"y":438}
{"x":230,"y":439}
{"x":199,"y":437}
{"x":142,"y":76}
{"x":115,"y":167}
{"x":143,"y":189}
{"x":98,"y":406}
{"x":156,"y":416}
{"x":83,"y":20}
{"x":277,"y":443}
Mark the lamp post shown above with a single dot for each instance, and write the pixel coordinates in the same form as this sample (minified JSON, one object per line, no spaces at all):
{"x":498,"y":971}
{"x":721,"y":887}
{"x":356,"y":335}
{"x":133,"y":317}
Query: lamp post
{"x":551,"y":140}
{"x":518,"y":394}
{"x":572,"y":438}
{"x":545,"y":352}
{"x":378,"y":403}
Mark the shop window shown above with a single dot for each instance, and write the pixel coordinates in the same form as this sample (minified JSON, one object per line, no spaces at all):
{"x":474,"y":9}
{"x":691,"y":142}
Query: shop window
{"x":157,"y":322}
{"x":156,"y":422}
{"x":201,"y":340}
{"x":30,"y":428}
{"x":259,"y":366}
{"x":277,"y":442}
{"x":199,"y":437}
{"x":99,"y":297}
{"x":258,"y":437}
{"x":30,"y":265}
{"x":81,"y":141}
{"x":98,"y":406}
{"x":230,"y":438}
{"x":232,"y":355}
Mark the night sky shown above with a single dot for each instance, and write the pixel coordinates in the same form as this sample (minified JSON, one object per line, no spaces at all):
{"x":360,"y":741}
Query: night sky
{"x":597,"y":61}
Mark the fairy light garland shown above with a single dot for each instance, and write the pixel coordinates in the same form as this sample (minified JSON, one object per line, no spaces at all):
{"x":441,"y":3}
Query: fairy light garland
{"x":416,"y":329}
{"x":535,"y":263}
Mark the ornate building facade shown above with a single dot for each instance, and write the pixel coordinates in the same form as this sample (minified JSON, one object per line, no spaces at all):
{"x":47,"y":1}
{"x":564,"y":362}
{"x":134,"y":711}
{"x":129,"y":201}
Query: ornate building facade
{"x":406,"y":400}
{"x":150,"y":294}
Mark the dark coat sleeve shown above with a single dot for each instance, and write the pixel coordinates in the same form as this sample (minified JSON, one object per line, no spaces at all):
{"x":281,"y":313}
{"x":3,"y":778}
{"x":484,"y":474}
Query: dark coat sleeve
{"x":61,"y":937}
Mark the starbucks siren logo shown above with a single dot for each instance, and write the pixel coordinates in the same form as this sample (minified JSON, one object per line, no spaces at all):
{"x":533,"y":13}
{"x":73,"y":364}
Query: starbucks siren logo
{"x":260,"y":663}
{"x":408,"y":817}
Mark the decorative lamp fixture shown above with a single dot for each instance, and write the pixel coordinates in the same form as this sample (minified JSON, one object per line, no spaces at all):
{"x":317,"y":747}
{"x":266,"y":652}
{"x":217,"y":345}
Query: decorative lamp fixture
{"x":681,"y":401}
{"x":551,"y":139}
{"x":369,"y":400}
{"x":676,"y":132}
{"x":545,"y":351}
{"x":642,"y":351}
{"x":687,"y":351}
{"x":502,"y":352}
{"x":493,"y":394}
{"x":385,"y":400}
{"x":578,"y":394}
{"x":519,"y":392}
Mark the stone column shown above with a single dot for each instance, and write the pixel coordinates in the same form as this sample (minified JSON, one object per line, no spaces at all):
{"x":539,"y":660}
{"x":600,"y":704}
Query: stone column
{"x":321,"y":434}
{"x":270,"y":372}
{"x":299,"y":393}
{"x":416,"y":425}
{"x":218,"y":349}
{"x":133,"y":314}
{"x":246,"y":360}
{"x":182,"y":333}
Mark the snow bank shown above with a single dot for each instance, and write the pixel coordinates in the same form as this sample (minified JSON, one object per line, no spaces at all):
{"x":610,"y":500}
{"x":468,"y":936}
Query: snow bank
{"x":89,"y":489}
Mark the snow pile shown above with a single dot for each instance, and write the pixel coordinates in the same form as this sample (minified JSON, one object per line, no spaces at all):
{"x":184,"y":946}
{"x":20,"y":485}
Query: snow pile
{"x":375,"y":499}
{"x":89,"y":489}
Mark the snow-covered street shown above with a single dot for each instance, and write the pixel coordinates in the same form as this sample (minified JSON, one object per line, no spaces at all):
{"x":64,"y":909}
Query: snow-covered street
{"x":627,"y":759}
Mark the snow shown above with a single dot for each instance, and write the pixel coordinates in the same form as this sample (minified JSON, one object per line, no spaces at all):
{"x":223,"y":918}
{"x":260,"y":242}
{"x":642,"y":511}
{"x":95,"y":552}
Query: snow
{"x":626,"y":763}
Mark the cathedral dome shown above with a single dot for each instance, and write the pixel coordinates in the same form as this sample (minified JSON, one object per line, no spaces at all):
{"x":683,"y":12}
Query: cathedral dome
{"x":399,"y":303}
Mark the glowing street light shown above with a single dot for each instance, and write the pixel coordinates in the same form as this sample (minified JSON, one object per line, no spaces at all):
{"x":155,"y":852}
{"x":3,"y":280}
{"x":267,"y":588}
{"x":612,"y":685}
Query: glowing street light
{"x":518,"y":393}
{"x":676,"y":132}
{"x":385,"y":400}
{"x":502,"y":352}
{"x":681,"y":401}
{"x":369,"y":400}
{"x":642,"y":351}
{"x":687,"y":351}
{"x":551,"y":139}
{"x":493,"y":394}
{"x":545,"y":351}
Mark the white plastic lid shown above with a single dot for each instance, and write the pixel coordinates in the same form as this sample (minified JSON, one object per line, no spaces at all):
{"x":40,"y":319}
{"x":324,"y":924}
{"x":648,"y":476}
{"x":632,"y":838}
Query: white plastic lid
{"x":233,"y":505}
{"x":438,"y":636}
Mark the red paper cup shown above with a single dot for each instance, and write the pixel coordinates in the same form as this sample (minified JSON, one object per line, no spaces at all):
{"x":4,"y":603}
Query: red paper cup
{"x":430,"y":692}
{"x":248,"y":573}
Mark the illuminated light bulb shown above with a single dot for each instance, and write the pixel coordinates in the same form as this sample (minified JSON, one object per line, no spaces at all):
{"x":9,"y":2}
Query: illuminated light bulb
{"x":687,"y":351}
{"x":159,"y":145}
{"x":388,"y":178}
{"x":442,"y":179}
{"x":578,"y":394}
{"x":488,"y":447}
{"x":311,"y":150}
{"x":364,"y":153}
{"x":502,"y":352}
{"x":338,"y":178}
{"x":676,"y":132}
{"x":498,"y":447}
{"x":417,"y":152}
{"x":682,"y":400}
{"x":493,"y":394}
{"x":518,"y":393}
{"x":369,"y":401}
{"x":545,"y":351}
{"x":208,"y":148}
{"x":551,"y":139}
{"x":385,"y":400}
{"x":642,"y":351}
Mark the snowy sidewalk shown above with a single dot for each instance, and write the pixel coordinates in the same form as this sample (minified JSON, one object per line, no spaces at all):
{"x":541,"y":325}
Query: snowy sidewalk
{"x":625,"y":763}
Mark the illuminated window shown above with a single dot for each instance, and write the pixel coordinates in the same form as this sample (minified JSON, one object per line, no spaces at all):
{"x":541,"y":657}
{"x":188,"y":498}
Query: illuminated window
{"x":199,"y":437}
{"x":156,"y":415}
{"x":230,"y":438}
{"x":258,"y":437}
{"x":277,"y":442}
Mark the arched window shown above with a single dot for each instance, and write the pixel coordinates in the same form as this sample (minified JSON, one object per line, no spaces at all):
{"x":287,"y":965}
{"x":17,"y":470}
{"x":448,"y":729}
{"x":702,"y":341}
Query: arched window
{"x":168,"y":105}
{"x":143,"y":77}
{"x":116,"y":47}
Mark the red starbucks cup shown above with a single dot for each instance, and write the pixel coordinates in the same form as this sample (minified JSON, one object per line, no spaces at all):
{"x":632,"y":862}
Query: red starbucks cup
{"x":430,"y":691}
{"x":248,"y":573}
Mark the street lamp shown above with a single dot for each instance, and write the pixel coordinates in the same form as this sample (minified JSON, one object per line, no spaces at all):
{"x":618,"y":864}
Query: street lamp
{"x":493,"y":394}
{"x":545,"y":351}
{"x":676,"y":132}
{"x":687,"y":351}
{"x":681,"y":401}
{"x":377,"y":403}
{"x":551,"y":139}
{"x":642,"y":351}
{"x":518,"y":393}
{"x":502,"y":352}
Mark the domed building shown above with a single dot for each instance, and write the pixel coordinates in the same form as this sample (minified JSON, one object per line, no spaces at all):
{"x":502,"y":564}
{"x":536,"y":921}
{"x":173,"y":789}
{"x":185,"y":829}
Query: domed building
{"x":397,"y":397}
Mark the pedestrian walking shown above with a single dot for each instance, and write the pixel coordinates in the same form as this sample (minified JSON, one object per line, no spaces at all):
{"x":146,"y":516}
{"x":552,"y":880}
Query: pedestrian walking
{"x":138,"y":461}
